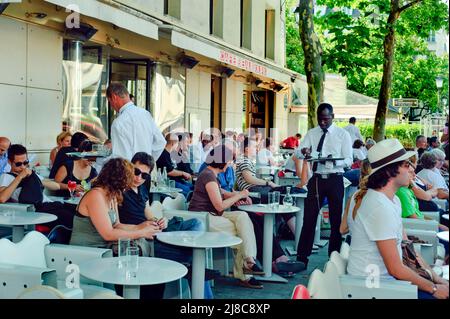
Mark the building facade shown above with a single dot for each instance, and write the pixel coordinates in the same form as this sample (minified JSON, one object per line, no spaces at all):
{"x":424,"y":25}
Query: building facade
{"x":194,"y":64}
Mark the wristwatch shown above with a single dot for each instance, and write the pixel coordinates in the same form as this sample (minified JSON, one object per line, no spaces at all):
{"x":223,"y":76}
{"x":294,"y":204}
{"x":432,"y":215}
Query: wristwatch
{"x":434,"y":289}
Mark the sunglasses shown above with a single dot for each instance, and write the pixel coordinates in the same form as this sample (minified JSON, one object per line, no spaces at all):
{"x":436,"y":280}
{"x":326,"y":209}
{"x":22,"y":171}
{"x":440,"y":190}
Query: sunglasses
{"x":25,"y":163}
{"x":138,"y":172}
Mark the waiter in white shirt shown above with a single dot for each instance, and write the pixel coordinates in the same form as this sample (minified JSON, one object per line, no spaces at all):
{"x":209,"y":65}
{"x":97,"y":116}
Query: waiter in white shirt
{"x":353,"y":130}
{"x":326,"y":140}
{"x":134,"y":130}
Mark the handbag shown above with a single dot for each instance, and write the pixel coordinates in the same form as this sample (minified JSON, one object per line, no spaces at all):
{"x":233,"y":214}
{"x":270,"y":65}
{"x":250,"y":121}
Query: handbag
{"x":410,"y":260}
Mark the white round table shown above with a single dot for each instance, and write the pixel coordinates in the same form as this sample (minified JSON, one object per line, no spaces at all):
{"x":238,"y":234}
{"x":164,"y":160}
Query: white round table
{"x":199,"y":241}
{"x":269,"y":217}
{"x":443,"y":236}
{"x":73,"y":201}
{"x":151,"y":271}
{"x":445,"y":216}
{"x":18,"y":221}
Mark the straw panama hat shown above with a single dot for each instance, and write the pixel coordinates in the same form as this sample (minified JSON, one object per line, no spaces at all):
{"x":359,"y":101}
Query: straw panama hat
{"x":387,"y":152}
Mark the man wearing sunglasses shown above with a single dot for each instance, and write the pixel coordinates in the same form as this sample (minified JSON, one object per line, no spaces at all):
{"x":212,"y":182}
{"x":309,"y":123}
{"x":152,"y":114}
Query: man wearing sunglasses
{"x":4,"y":145}
{"x":22,"y":185}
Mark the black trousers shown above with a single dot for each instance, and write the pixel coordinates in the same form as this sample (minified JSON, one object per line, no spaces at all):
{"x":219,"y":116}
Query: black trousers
{"x":319,"y":188}
{"x":65,"y":213}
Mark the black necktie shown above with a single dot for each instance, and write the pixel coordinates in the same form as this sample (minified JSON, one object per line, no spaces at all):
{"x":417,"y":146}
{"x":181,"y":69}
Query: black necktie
{"x":319,"y":148}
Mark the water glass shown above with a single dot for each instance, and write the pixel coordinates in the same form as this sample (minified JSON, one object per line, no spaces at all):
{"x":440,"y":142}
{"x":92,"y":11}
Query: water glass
{"x":276,"y":200}
{"x":270,"y":200}
{"x":171,"y":184}
{"x":132,"y":262}
{"x":124,"y":244}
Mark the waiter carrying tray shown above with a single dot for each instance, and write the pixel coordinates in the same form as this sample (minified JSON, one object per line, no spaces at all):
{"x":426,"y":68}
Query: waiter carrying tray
{"x":330,"y":150}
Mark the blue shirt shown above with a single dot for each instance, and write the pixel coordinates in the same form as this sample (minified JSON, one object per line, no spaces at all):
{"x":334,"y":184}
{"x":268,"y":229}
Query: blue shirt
{"x":3,"y":163}
{"x":226,"y":179}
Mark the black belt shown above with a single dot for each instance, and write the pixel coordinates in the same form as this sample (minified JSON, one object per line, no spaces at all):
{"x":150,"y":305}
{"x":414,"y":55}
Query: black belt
{"x":327,"y":175}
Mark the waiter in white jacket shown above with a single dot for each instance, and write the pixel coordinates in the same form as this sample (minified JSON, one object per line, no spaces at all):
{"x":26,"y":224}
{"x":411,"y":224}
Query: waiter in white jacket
{"x":334,"y":143}
{"x":134,"y":130}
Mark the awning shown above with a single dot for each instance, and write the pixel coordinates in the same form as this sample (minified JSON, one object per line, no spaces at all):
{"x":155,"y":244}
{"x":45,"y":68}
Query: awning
{"x":229,"y":56}
{"x":104,"y":12}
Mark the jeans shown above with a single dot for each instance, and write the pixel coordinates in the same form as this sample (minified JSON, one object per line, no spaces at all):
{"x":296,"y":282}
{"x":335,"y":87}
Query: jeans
{"x":185,"y":187}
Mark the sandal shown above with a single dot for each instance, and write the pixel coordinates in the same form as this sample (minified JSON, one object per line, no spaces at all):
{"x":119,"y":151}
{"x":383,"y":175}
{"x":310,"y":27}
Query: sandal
{"x":251,"y":283}
{"x":285,"y":274}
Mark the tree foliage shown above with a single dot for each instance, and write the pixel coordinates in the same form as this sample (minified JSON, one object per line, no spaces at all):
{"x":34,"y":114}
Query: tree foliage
{"x":353,"y":47}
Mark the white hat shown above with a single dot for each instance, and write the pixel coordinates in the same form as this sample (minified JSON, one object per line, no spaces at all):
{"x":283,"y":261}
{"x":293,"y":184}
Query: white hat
{"x":387,"y":152}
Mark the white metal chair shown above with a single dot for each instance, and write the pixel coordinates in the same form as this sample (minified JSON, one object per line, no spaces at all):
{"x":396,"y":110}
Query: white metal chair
{"x":34,"y":262}
{"x":177,"y":203}
{"x":345,"y":250}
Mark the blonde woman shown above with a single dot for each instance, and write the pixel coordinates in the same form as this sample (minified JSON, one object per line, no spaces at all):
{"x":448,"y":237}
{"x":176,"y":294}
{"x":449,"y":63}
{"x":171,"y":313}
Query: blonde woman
{"x":62,"y":140}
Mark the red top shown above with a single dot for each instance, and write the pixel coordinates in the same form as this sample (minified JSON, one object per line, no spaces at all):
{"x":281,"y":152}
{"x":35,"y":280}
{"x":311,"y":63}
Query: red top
{"x":291,"y":142}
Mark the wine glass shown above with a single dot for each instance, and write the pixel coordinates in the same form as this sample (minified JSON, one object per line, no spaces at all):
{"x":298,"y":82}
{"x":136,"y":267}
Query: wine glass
{"x":72,"y":186}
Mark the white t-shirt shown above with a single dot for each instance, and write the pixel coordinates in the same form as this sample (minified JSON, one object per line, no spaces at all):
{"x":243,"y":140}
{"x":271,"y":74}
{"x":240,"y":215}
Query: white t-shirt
{"x":378,"y":219}
{"x":434,"y":177}
{"x":358,"y":153}
{"x":6,"y":180}
{"x":264,"y":156}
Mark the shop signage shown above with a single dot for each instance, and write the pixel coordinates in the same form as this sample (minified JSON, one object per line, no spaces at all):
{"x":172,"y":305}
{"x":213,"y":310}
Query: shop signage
{"x":242,"y":63}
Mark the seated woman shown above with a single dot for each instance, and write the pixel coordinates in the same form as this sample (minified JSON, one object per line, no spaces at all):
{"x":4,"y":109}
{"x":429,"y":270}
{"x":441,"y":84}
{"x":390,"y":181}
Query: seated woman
{"x":63,"y":140}
{"x":408,"y":199}
{"x":431,"y":172}
{"x":209,"y":197}
{"x":97,"y":223}
{"x":79,"y":171}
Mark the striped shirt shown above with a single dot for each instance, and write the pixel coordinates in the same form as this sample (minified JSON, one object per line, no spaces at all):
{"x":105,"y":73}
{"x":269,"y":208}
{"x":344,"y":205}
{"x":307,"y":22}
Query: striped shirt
{"x":245,"y":164}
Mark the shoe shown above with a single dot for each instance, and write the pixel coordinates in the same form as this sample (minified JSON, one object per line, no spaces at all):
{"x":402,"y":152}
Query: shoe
{"x":251,"y":283}
{"x":285,"y":274}
{"x":255,"y":270}
{"x":210,"y":274}
{"x":290,"y":266}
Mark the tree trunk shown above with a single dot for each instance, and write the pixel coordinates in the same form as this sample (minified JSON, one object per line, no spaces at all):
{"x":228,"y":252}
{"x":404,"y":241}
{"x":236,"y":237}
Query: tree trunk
{"x":313,"y":59}
{"x":379,"y":129}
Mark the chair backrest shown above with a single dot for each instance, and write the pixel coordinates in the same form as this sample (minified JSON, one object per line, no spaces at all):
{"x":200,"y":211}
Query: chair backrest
{"x":28,"y":252}
{"x":157,"y":209}
{"x":300,"y":292}
{"x":315,"y":283}
{"x":420,"y":224}
{"x":332,"y":282}
{"x":178,"y":203}
{"x":41,"y":292}
{"x":17,"y":207}
{"x":339,"y":262}
{"x":345,"y":251}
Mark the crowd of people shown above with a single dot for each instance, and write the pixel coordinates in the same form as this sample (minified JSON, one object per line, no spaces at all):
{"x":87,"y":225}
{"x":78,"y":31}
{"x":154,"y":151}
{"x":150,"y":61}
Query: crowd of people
{"x":217,"y":174}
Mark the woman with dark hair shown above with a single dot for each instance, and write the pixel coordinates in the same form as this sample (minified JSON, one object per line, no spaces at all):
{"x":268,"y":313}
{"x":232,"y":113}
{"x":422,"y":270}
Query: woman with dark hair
{"x":96,"y":223}
{"x":61,"y":156}
{"x":79,"y":171}
{"x":209,"y":197}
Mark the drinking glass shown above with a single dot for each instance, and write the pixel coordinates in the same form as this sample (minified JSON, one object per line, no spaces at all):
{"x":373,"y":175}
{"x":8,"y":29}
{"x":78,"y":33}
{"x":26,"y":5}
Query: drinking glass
{"x":270,"y":200}
{"x":171,"y":184}
{"x":123,"y":245}
{"x":132,"y":262}
{"x":276,"y":199}
{"x":72,"y":186}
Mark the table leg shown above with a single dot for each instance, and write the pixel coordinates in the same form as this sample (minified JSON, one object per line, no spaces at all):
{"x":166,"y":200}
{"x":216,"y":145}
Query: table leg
{"x":298,"y":226}
{"x":18,"y":233}
{"x":267,"y":251}
{"x":131,"y":292}
{"x":198,"y":273}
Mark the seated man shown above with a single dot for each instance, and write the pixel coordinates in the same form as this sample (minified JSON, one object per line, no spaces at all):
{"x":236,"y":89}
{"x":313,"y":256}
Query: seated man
{"x":24,"y":186}
{"x":4,"y":145}
{"x":165,"y":161}
{"x":135,"y":210}
{"x":291,"y":142}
